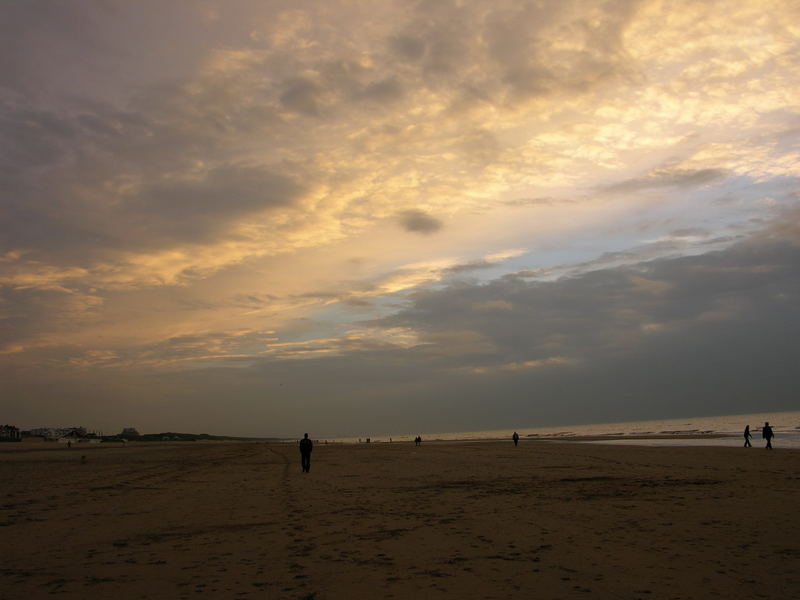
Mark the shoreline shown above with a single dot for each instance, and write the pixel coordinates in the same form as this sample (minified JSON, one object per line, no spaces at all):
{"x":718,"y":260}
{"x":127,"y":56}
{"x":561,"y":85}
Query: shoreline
{"x":54,"y":446}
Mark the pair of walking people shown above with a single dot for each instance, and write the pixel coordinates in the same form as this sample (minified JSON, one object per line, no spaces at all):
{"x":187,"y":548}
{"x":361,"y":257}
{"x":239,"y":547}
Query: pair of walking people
{"x":766,"y":433}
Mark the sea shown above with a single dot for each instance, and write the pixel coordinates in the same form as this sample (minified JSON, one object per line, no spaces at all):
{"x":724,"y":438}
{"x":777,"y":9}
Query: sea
{"x":726,"y":430}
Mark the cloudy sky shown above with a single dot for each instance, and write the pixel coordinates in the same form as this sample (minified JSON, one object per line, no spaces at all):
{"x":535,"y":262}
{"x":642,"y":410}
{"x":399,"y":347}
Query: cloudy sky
{"x":364,"y":218}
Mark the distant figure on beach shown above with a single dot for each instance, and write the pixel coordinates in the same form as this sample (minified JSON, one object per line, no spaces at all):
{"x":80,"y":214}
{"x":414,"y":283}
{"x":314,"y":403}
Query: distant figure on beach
{"x":515,"y":437}
{"x":747,"y":437}
{"x":306,"y":446}
{"x":766,"y":433}
{"x":418,"y":441}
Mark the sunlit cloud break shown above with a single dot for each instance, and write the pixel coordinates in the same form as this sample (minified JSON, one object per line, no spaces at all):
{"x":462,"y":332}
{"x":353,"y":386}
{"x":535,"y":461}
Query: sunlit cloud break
{"x":506,"y":213}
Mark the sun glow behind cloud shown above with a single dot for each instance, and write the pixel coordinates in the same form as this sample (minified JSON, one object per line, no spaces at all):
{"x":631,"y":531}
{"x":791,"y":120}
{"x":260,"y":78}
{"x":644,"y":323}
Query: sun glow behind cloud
{"x":254,"y":183}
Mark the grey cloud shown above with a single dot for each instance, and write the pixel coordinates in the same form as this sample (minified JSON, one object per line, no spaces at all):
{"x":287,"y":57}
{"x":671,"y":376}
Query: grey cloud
{"x":435,"y":44}
{"x":408,"y":46}
{"x":521,"y":43}
{"x":253,"y":301}
{"x":339,"y":87}
{"x":387,"y":90}
{"x":613,"y":312}
{"x":344,"y":74}
{"x":446,"y":49}
{"x":469,"y":267}
{"x":638,"y":254}
{"x":29,"y":315}
{"x":680,"y":178}
{"x":344,"y":84}
{"x":302,"y":96}
{"x":32,"y":137}
{"x":679,"y":244}
{"x":530,"y":81}
{"x":690,"y":232}
{"x":417,"y":221}
{"x":730,"y":321}
{"x":786,"y":226}
{"x":201,"y":210}
{"x":64,"y":219}
{"x":58,"y":165}
{"x":44,"y":32}
{"x":517,"y":48}
{"x":223,"y":348}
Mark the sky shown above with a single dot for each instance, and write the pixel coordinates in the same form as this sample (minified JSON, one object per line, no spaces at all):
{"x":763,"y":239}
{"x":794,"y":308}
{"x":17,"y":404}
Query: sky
{"x":356,"y":218}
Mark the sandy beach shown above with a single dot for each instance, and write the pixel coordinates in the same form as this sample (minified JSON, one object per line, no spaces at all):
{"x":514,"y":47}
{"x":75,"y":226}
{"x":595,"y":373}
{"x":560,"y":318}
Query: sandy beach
{"x":445,"y":520}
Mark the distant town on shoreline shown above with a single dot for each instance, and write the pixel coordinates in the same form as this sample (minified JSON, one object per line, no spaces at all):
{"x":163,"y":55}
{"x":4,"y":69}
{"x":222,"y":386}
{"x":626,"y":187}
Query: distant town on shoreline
{"x":69,"y":435}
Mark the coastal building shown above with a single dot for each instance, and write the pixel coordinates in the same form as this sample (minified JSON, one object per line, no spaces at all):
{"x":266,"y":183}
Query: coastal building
{"x":49,"y":433}
{"x":62,"y":433}
{"x":78,"y":434}
{"x":9,"y":433}
{"x":44,"y":432}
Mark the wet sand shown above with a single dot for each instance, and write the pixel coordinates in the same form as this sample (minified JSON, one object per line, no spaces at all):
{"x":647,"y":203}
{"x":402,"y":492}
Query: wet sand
{"x":446,"y":520}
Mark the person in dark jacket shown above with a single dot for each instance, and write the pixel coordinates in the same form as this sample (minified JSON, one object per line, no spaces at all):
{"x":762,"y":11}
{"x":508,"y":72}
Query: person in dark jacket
{"x":515,"y":437}
{"x":747,"y":437}
{"x":766,"y":433}
{"x":306,"y":445}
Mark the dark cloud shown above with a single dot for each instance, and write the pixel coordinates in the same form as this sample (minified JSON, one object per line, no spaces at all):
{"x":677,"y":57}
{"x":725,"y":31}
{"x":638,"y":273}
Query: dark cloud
{"x":713,"y":333}
{"x":408,"y":47}
{"x":418,"y":221}
{"x":28,"y":315}
{"x":89,"y":180}
{"x":386,"y":90}
{"x":302,"y":96}
{"x":62,"y":168}
{"x":35,"y":35}
{"x":200,"y":210}
{"x":612,"y":310}
{"x":31,"y":137}
{"x":530,"y":81}
{"x":192,"y":132}
{"x":646,"y":339}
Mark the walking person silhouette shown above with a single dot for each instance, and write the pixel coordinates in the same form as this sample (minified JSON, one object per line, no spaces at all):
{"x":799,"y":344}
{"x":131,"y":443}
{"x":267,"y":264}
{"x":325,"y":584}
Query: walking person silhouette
{"x":306,"y":445}
{"x":515,"y":437}
{"x":767,"y":434}
{"x":747,"y":437}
